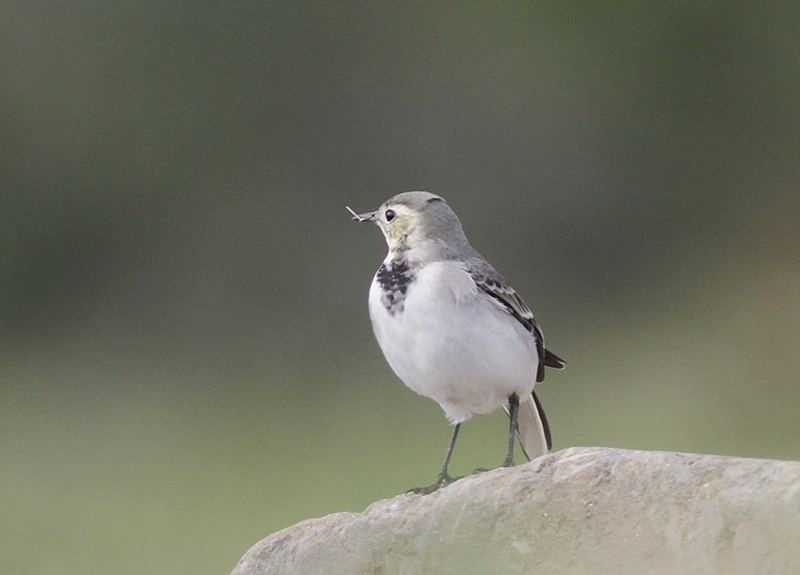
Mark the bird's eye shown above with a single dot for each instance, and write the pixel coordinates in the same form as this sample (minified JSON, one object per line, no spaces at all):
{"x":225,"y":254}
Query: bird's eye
{"x":390,"y":215}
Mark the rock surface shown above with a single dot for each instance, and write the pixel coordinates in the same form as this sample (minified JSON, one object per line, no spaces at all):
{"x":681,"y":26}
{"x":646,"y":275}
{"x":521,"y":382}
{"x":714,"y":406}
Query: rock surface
{"x":581,"y":510}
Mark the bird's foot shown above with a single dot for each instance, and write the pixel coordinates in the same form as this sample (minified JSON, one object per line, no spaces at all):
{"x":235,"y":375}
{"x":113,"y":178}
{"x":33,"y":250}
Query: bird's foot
{"x":443,"y":480}
{"x":509,"y":462}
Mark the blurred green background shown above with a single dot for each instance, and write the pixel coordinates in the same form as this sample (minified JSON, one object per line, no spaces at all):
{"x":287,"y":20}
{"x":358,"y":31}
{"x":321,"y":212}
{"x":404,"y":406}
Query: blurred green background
{"x":186,"y":360}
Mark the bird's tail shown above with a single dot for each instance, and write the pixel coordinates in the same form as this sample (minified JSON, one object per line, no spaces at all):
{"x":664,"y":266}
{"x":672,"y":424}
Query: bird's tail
{"x":532,"y":428}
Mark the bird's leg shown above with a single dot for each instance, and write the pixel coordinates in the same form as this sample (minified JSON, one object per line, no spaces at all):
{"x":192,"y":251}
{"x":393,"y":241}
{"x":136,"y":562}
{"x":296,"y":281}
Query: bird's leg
{"x":444,"y":478}
{"x":513,"y":413}
{"x":443,"y":475}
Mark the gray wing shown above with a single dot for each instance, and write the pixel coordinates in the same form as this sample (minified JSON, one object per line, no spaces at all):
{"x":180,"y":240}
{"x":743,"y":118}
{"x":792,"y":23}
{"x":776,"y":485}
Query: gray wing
{"x":489,"y":281}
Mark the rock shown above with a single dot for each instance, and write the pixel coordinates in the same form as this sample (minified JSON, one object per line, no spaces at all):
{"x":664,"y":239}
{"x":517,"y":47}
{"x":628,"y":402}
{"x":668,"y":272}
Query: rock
{"x":581,"y":510}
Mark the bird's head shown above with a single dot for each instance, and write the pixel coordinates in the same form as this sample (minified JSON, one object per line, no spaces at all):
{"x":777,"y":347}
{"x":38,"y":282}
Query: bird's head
{"x":420,"y":224}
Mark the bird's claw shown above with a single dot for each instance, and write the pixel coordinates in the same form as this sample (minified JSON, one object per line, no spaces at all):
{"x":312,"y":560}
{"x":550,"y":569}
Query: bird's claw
{"x":442,"y":481}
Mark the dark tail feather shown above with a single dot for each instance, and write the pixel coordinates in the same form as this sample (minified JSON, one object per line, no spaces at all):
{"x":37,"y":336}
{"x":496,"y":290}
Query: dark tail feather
{"x":552,"y":360}
{"x":531,"y":430}
{"x":545,"y":424}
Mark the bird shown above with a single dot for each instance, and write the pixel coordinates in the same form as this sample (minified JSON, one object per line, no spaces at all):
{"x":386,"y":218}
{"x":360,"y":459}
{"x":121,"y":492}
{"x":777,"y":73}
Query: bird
{"x":451,"y":327}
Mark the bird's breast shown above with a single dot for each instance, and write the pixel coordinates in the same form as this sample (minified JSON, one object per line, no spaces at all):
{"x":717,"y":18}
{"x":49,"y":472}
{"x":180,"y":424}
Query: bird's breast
{"x":450,"y":342}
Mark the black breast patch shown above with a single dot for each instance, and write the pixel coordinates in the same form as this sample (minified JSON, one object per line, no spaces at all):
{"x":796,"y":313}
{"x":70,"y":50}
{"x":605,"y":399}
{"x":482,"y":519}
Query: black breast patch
{"x":394,"y":278}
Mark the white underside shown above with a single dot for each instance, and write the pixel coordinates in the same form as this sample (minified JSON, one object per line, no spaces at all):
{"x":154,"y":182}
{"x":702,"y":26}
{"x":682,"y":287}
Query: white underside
{"x":453,"y":344}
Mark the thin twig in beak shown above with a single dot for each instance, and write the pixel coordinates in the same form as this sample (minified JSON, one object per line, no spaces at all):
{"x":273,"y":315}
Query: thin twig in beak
{"x":355,"y":215}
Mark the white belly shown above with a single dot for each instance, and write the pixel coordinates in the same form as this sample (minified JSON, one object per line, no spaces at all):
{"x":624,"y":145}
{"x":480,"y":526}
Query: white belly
{"x":455,"y":345}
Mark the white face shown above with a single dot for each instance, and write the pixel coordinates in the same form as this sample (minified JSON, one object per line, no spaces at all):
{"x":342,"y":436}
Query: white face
{"x":398,"y":224}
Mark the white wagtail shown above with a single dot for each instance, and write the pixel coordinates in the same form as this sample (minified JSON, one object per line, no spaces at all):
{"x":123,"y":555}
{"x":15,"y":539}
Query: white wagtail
{"x":452,"y":328}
